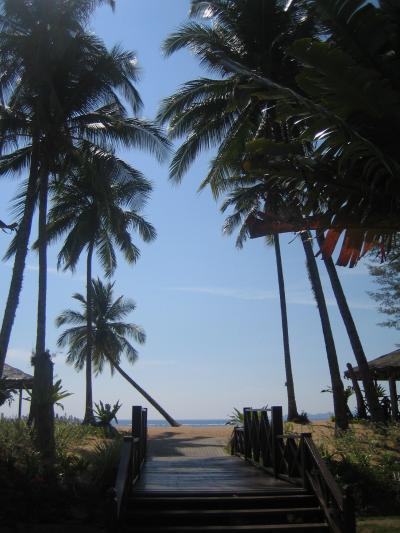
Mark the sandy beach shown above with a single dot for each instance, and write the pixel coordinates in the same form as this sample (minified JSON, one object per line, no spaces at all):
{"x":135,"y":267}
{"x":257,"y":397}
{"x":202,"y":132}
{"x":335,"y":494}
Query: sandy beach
{"x":188,"y":441}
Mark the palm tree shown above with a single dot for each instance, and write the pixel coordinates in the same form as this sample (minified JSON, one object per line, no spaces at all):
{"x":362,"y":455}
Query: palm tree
{"x":64,"y":92}
{"x":338,"y":392}
{"x":358,"y":350}
{"x":228,"y":113}
{"x":246,"y":200}
{"x":97,"y":205}
{"x":110,"y":336}
{"x":249,"y":196}
{"x":351,"y":170}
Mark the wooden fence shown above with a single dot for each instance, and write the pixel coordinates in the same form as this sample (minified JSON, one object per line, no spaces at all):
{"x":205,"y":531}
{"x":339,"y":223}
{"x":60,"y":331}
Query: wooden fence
{"x":294,"y":458}
{"x":133,"y":455}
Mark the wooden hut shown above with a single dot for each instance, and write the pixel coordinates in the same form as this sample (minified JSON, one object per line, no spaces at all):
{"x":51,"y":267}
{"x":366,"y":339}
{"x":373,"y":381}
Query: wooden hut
{"x":13,"y":378}
{"x":383,"y":368}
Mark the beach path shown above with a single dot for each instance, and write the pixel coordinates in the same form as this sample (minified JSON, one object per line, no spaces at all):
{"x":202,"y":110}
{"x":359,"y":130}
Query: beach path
{"x":189,"y":441}
{"x":195,"y":459}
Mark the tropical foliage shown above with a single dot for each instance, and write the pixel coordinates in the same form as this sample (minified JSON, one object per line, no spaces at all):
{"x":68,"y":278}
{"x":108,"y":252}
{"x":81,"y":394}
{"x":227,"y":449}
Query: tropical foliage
{"x":71,"y":95}
{"x":111,"y":336}
{"x":98,"y":205}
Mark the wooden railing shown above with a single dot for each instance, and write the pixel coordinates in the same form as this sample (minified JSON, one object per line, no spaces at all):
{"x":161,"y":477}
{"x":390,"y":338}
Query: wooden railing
{"x":133,"y":455}
{"x":294,"y":458}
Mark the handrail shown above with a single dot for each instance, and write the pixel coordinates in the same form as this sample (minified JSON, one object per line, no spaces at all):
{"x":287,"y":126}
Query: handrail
{"x":295,"y":458}
{"x":132,"y":457}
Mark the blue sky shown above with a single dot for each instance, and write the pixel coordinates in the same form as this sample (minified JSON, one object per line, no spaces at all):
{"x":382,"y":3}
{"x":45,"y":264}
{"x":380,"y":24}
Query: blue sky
{"x":211,"y":312}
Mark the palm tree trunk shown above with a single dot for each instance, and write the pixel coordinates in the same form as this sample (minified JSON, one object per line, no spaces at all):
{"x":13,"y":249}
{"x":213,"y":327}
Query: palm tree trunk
{"x":368,"y":383}
{"x":151,"y":400}
{"x":89,"y":417}
{"x":23,"y":234}
{"x":42,"y":402}
{"x":292,"y":407}
{"x":339,"y":400}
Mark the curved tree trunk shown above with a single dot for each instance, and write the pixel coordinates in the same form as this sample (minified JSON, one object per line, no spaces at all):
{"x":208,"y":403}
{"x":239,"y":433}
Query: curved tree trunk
{"x":89,"y":417}
{"x":292,"y":407}
{"x":42,"y":401}
{"x":23,"y":234}
{"x":368,"y":383}
{"x":339,"y":400}
{"x":151,"y":400}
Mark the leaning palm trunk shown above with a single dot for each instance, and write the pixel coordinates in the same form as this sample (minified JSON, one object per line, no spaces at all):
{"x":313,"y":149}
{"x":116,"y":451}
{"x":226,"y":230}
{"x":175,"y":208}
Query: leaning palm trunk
{"x":292,"y":407}
{"x":42,"y":404}
{"x":89,"y":417}
{"x":339,"y":400}
{"x":24,"y":231}
{"x":151,"y":400}
{"x":368,"y":383}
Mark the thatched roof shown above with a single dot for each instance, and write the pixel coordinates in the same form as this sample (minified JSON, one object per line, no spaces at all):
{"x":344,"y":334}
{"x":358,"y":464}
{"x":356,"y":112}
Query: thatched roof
{"x":382,"y":367}
{"x":13,"y":378}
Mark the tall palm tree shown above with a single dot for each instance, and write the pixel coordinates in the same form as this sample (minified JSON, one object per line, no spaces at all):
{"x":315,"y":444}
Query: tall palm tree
{"x":247,"y":197}
{"x":339,"y":398}
{"x":98,"y":205}
{"x":228,"y":113}
{"x":110,"y":336}
{"x":65,"y":92}
{"x":244,"y":204}
{"x":263,"y":82}
{"x":357,"y":347}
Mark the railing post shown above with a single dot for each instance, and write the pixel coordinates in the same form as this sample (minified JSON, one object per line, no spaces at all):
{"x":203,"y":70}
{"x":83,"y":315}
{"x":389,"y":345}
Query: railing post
{"x":303,"y":460}
{"x":255,"y":435}
{"x":144,"y":433}
{"x":348,"y":511}
{"x":265,"y":438}
{"x":137,"y":421}
{"x":137,"y":430}
{"x":277,"y":430}
{"x":246,"y":431}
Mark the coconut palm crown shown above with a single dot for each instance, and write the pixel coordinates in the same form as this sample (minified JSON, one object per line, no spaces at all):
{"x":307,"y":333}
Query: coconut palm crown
{"x":111,"y":335}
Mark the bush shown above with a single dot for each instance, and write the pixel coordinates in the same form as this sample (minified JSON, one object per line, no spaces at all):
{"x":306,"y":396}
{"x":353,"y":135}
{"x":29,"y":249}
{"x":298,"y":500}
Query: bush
{"x":368,"y":461}
{"x":82,"y":474}
{"x":103,"y":463}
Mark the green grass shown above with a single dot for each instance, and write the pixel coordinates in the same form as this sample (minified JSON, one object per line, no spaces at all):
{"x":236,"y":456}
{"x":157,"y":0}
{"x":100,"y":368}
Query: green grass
{"x":388,"y":524}
{"x":85,"y":468}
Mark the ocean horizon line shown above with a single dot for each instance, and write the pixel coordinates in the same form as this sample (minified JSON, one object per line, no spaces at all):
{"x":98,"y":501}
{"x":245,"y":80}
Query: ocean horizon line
{"x":160,"y":422}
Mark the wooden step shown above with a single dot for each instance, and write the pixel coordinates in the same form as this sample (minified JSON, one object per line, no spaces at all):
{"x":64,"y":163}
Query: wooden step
{"x":279,"y":528}
{"x":221,"y":502}
{"x":225,"y":516}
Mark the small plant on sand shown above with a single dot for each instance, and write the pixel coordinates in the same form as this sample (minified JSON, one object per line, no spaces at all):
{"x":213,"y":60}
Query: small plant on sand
{"x":302,"y":418}
{"x":105,"y":414}
{"x":235,"y":418}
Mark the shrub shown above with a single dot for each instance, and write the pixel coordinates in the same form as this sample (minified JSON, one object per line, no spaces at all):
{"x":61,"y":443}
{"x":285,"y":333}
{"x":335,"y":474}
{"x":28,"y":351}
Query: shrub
{"x":103,"y":463}
{"x":368,"y":461}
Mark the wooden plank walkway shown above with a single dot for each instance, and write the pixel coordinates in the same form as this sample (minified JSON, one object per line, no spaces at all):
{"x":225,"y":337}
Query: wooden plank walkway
{"x":200,"y":465}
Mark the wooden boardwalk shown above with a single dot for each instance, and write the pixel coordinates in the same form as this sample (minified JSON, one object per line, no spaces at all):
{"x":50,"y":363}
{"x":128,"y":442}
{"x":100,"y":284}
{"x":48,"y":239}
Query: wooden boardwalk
{"x":200,"y":465}
{"x":223,"y":474}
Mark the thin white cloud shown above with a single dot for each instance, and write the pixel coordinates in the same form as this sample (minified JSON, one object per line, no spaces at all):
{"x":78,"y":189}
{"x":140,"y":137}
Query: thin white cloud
{"x":51,"y":270}
{"x":298,"y":298}
{"x":228,"y":292}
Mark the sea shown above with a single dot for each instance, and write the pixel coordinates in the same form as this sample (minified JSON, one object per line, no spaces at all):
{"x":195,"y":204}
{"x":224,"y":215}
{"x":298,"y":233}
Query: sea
{"x":204,"y":422}
{"x":186,"y":422}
